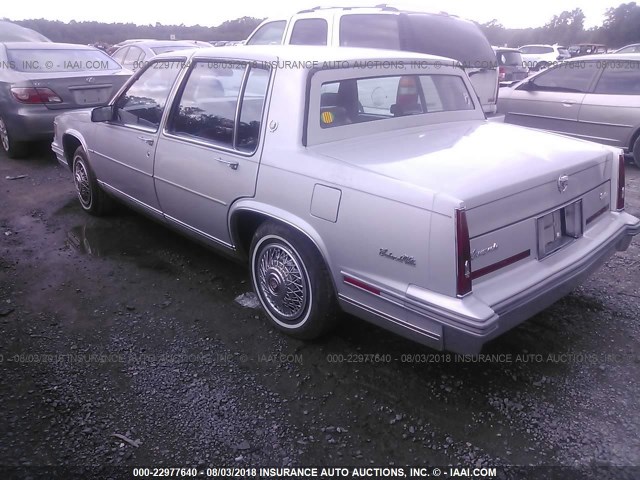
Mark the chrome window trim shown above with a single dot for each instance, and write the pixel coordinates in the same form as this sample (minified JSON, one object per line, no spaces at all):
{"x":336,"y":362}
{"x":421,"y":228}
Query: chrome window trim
{"x":166,"y":133}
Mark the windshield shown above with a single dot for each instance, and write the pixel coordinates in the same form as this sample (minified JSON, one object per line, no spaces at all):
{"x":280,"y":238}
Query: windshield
{"x":451,"y":37}
{"x":62,"y":60}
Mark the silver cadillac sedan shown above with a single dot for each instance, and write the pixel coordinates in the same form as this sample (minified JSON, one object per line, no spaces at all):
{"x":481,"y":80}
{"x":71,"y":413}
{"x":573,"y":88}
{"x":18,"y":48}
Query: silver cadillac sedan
{"x":355,"y":179}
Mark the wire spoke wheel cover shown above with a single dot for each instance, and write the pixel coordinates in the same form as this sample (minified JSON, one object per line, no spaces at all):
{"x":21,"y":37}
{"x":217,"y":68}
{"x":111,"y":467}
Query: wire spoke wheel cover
{"x":282,"y":281}
{"x":4,"y":136}
{"x":82,"y":182}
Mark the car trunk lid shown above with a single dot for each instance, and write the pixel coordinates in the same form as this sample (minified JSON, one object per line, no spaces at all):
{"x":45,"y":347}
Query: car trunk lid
{"x":87,"y":89}
{"x":500,"y":173}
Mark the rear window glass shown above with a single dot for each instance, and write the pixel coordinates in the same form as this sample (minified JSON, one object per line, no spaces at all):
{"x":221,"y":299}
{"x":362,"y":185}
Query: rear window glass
{"x":370,"y":31}
{"x":509,"y":58}
{"x":533,"y":49}
{"x":63,"y":60}
{"x":377,"y":98}
{"x":450,"y":37}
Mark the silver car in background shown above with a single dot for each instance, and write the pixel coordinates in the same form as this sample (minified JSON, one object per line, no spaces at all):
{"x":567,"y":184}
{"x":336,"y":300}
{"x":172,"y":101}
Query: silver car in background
{"x":39,"y":80}
{"x":136,"y":54}
{"x":633,"y":48}
{"x":593,"y":97}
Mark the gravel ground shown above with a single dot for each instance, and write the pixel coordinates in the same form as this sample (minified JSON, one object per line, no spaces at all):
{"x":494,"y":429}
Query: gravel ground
{"x":121,"y":344}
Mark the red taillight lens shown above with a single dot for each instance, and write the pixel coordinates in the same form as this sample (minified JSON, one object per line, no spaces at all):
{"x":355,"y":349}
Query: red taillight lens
{"x":35,"y":95}
{"x":621,"y":184}
{"x":501,"y":73}
{"x":463,"y":254}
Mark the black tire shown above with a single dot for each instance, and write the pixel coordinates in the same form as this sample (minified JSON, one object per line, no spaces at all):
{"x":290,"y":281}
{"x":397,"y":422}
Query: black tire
{"x":92,"y":198}
{"x":9,"y":146}
{"x":292,"y":282}
{"x":636,"y":152}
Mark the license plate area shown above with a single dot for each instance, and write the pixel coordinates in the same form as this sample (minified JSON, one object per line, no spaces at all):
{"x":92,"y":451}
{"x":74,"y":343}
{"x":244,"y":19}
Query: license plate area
{"x":559,"y":228}
{"x":91,"y":96}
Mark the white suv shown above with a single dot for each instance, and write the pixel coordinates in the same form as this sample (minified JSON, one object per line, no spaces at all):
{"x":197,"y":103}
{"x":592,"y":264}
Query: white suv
{"x":390,"y":28}
{"x":539,"y":57}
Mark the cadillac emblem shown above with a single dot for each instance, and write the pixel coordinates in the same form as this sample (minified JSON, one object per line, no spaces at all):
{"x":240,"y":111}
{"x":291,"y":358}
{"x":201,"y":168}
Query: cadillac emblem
{"x":563,"y":183}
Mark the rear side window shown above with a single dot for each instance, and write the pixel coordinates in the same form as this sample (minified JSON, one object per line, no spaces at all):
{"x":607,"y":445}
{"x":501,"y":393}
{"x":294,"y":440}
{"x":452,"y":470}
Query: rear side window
{"x":567,"y":77}
{"x":309,"y":31}
{"x":269,"y":34}
{"x":370,"y":31}
{"x":620,"y":78}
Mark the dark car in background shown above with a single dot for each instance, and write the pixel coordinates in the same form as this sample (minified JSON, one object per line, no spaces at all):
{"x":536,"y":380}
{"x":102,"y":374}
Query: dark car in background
{"x":511,"y":67}
{"x":40,"y":80}
{"x":589,"y":49}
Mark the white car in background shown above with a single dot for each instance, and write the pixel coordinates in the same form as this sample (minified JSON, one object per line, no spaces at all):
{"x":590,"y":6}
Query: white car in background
{"x":539,"y":57}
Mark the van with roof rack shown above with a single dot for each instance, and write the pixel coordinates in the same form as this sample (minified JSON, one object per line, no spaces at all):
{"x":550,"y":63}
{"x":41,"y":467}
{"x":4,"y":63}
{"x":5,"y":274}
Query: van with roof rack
{"x":387,"y":27}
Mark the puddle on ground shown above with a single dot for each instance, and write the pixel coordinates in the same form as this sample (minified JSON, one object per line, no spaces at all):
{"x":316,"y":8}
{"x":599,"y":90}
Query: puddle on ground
{"x":108,"y":242}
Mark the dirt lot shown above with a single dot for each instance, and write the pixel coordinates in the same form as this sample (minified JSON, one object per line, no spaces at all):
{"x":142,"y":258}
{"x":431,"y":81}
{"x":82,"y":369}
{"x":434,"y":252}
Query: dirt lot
{"x":119,"y":326}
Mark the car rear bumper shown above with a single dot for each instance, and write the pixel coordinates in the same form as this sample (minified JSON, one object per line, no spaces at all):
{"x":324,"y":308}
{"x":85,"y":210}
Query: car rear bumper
{"x":465,"y":325}
{"x":30,"y":123}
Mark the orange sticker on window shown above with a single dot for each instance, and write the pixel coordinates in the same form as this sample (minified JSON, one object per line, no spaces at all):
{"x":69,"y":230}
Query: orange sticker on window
{"x":327,"y":117}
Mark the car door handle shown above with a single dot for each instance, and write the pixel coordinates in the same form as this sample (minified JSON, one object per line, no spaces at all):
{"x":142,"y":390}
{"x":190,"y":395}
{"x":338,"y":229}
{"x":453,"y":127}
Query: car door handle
{"x":148,"y":141}
{"x":231,"y":165}
{"x":568,"y":103}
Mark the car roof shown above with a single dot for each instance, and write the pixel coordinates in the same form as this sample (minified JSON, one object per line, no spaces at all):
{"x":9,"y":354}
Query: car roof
{"x":372,"y":9}
{"x":162,"y":43}
{"x":539,"y":45}
{"x":11,"y":32}
{"x":305,"y":53}
{"x":507,"y":49}
{"x":607,"y":56}
{"x":46,"y":46}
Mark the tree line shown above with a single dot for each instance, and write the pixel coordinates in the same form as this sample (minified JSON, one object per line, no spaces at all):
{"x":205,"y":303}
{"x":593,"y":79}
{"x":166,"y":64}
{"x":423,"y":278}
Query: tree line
{"x":112,"y":33}
{"x":621,"y":27}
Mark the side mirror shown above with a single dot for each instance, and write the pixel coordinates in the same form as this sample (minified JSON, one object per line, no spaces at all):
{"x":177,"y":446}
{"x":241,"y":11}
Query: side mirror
{"x":102,"y":114}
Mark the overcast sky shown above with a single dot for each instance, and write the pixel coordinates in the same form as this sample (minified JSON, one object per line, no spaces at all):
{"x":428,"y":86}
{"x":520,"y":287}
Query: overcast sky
{"x":513,"y":13}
